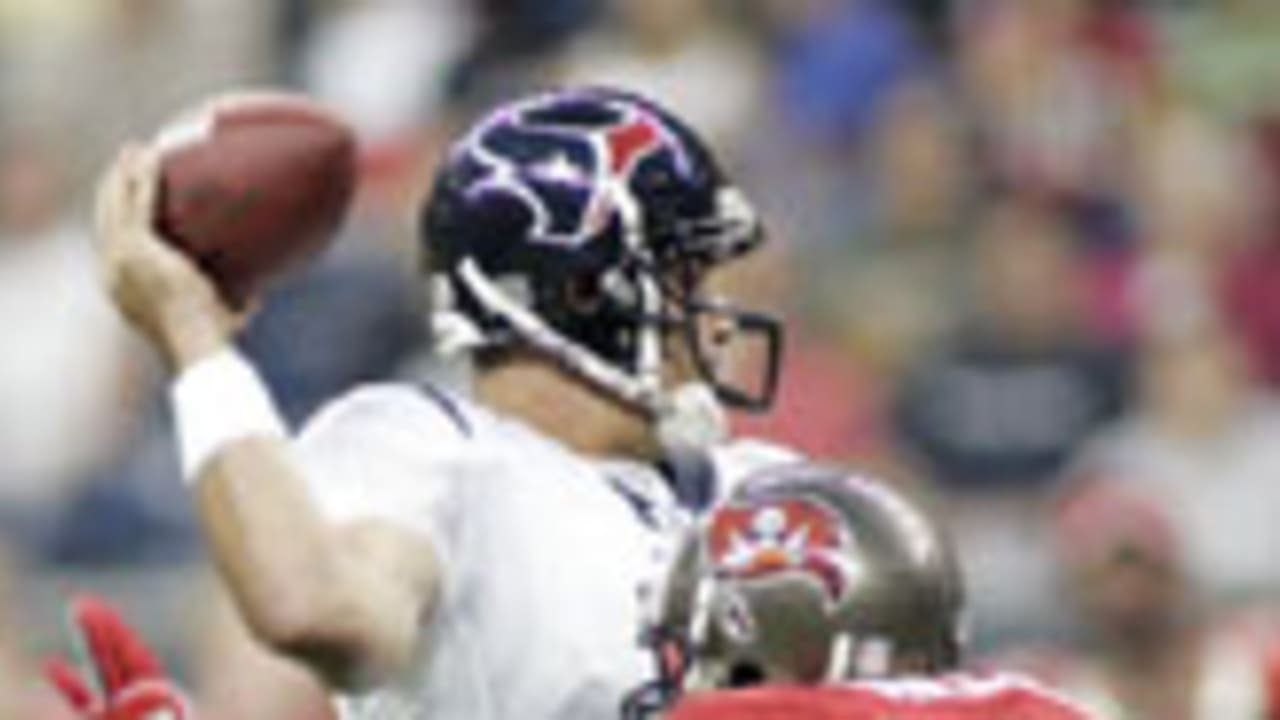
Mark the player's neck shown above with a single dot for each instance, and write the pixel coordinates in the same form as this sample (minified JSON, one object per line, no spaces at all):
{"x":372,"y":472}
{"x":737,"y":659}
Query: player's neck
{"x":564,"y":408}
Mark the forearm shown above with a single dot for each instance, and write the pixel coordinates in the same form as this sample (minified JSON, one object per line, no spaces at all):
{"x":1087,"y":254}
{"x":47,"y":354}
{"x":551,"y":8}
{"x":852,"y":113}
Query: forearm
{"x":277,"y":553}
{"x":267,"y":537}
{"x":344,"y":599}
{"x":304,"y":587}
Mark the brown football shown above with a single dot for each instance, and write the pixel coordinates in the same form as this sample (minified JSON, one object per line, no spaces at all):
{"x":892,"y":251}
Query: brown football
{"x":252,"y":184}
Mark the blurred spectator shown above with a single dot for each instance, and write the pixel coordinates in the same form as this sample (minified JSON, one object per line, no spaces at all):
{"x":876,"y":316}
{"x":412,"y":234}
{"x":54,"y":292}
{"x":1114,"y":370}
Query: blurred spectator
{"x":892,"y":286}
{"x":21,"y":692}
{"x":514,"y":48}
{"x":524,"y":28}
{"x":1151,"y":649}
{"x":383,"y":63}
{"x":1224,"y":56}
{"x":841,"y":73}
{"x":1051,"y":90}
{"x":1194,"y":188}
{"x":1124,"y":38}
{"x":1204,"y":442}
{"x":1252,"y":303}
{"x":1251,"y":285}
{"x":13,"y":694}
{"x":356,"y":302}
{"x":1055,"y":90}
{"x":1007,"y":400}
{"x":934,"y":20}
{"x":221,"y":45}
{"x":870,"y":303}
{"x":839,"y":61}
{"x":96,"y":73}
{"x":64,"y":385}
{"x":45,"y":60}
{"x":678,"y":52}
{"x":998,"y":410}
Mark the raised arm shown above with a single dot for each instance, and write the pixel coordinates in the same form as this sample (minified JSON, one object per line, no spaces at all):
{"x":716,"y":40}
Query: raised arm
{"x":345,"y":600}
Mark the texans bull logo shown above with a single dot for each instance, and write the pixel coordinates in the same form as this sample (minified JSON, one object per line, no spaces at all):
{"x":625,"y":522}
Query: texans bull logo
{"x":768,"y":540}
{"x":568,"y":176}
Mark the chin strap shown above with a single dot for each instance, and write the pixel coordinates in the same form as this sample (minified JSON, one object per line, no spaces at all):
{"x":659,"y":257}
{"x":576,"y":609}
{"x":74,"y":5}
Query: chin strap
{"x":642,"y":391}
{"x":692,"y":419}
{"x":689,"y":417}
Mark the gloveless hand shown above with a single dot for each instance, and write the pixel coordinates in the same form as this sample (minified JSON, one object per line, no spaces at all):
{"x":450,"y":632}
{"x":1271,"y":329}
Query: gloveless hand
{"x":157,"y":288}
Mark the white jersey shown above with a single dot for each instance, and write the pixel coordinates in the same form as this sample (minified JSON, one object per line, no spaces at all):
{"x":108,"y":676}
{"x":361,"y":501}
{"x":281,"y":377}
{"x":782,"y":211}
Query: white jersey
{"x":548,"y":560}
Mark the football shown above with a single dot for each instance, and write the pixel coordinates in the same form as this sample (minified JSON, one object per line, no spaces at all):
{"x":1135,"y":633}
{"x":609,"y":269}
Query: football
{"x":251,"y":184}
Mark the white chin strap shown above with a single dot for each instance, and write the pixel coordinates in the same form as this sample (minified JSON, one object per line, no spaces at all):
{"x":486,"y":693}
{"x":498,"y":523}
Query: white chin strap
{"x":692,"y":419}
{"x":688,"y":417}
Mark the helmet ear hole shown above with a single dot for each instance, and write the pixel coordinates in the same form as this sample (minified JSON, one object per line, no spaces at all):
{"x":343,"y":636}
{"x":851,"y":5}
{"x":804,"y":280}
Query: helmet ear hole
{"x":582,"y":294}
{"x":745,"y":673}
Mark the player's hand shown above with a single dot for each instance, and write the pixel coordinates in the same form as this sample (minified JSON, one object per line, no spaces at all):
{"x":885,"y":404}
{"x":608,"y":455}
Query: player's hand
{"x":127,"y":682}
{"x":161,"y":292}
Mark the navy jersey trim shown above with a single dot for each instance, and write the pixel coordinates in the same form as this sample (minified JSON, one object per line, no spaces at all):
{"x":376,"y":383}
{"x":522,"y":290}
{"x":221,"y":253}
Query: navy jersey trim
{"x":692,"y":477}
{"x":640,"y":504}
{"x":450,"y":408}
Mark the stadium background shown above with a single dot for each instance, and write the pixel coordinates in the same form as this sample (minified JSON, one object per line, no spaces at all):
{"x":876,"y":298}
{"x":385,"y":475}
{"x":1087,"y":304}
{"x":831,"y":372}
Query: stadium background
{"x":1021,"y":244}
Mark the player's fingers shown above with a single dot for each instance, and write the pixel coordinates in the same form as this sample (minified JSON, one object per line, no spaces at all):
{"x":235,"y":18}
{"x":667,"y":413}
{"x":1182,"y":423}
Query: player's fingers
{"x":69,"y":684}
{"x":110,"y":193}
{"x":144,"y":183}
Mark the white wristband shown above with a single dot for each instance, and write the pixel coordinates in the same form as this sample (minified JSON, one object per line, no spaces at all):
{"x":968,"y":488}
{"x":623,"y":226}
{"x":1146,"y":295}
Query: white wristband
{"x":215,"y":402}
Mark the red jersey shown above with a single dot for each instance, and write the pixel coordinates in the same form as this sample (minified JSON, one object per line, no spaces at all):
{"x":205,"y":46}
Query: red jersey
{"x":954,"y":697}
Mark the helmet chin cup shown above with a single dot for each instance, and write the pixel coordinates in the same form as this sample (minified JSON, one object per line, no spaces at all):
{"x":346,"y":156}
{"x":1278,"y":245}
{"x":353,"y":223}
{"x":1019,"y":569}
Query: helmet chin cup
{"x":691,"y":419}
{"x":453,"y":333}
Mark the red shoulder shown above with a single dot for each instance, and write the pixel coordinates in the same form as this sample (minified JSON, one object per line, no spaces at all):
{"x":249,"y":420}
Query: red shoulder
{"x":781,"y":703}
{"x":1029,"y":700}
{"x":996,"y":697}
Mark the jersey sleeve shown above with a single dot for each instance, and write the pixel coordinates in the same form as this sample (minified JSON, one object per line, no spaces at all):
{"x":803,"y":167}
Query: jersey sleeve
{"x":391,"y":453}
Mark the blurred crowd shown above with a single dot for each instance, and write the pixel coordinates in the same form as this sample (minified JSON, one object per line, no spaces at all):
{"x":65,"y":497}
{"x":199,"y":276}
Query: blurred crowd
{"x":1028,"y":251}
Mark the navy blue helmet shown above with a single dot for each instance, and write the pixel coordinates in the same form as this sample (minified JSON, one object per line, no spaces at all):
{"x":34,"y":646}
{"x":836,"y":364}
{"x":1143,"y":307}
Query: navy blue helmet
{"x":579,"y":223}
